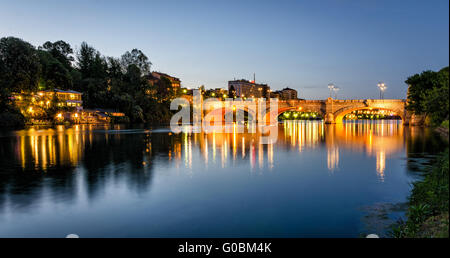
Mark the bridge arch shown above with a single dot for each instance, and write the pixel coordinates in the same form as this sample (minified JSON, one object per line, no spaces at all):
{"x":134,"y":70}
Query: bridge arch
{"x":316,"y":114}
{"x":222,"y":111}
{"x":340,"y":114}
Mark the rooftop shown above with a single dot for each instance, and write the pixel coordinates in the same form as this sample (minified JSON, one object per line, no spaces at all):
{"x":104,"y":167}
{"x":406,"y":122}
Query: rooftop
{"x":247,"y":81}
{"x":64,"y":91}
{"x":165,"y":74}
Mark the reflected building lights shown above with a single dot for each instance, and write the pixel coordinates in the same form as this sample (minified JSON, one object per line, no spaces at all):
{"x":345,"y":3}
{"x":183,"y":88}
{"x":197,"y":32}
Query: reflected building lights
{"x":381,"y":164}
{"x":205,"y":152}
{"x":41,"y":149}
{"x":243,"y":147}
{"x":214,"y":147}
{"x":44,"y":148}
{"x":260,"y":156}
{"x":332,"y":158}
{"x":270,"y":155}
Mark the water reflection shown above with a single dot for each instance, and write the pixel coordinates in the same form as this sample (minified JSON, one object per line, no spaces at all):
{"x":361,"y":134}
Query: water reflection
{"x":41,"y":150}
{"x":85,"y":162}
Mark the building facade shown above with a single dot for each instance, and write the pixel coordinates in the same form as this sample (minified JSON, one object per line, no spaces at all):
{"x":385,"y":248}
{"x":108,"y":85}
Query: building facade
{"x":248,"y":89}
{"x":67,"y":98}
{"x":285,"y":94}
{"x":175,"y":82}
{"x":288,"y":93}
{"x":64,"y":98}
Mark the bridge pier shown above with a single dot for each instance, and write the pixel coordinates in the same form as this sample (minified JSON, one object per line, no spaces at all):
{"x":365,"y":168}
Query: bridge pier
{"x":329,"y":118}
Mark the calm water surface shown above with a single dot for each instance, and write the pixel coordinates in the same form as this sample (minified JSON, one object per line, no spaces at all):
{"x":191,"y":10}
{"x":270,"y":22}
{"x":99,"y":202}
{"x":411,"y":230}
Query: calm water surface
{"x":317,"y":180}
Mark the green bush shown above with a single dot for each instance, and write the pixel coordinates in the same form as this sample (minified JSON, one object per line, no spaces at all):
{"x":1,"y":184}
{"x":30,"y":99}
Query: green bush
{"x":429,"y":200}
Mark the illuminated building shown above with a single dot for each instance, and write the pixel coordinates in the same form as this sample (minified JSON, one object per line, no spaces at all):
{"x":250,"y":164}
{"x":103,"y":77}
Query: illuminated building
{"x":64,"y":98}
{"x":284,"y":94}
{"x":175,"y":82}
{"x":67,"y":98}
{"x":248,"y":89}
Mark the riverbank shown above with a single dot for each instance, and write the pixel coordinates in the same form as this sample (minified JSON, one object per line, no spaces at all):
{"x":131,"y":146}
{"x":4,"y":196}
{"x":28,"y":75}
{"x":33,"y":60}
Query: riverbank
{"x":427,"y":215}
{"x":443,"y":129}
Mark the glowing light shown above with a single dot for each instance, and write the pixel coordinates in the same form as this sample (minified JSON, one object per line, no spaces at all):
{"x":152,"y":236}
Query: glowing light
{"x":381,"y":164}
{"x":382,"y":86}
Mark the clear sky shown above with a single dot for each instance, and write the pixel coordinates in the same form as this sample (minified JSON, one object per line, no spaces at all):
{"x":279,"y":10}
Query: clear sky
{"x":299,"y":44}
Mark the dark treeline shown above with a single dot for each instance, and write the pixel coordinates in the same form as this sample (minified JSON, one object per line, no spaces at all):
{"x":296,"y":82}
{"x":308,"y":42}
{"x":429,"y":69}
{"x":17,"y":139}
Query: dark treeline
{"x":428,"y":95}
{"x":124,"y":84}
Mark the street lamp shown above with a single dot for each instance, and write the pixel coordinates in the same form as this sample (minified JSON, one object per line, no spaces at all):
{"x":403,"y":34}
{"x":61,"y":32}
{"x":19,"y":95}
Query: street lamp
{"x":382,"y":88}
{"x":335,"y":89}
{"x":331,"y":87}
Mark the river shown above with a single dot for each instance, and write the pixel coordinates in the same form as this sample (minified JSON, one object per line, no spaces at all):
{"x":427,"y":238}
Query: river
{"x":317,"y":180}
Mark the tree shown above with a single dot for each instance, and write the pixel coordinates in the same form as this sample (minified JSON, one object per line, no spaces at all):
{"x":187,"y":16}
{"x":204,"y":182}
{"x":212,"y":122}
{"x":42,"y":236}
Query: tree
{"x":114,"y":68}
{"x":54,"y":74}
{"x":436,"y":100}
{"x":138,"y":58}
{"x":20,"y":67}
{"x":60,"y":50}
{"x":92,"y":68}
{"x":90,"y":62}
{"x":428,"y":94}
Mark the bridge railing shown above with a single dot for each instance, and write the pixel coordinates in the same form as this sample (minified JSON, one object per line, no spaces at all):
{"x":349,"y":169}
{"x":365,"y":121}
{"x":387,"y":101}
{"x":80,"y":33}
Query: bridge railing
{"x":303,"y":101}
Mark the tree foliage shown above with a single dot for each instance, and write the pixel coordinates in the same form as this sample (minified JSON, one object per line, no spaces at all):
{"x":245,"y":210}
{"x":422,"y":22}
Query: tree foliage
{"x":19,"y":64}
{"x":428,"y":94}
{"x":53,"y":74}
{"x":138,"y":58}
{"x":60,"y":50}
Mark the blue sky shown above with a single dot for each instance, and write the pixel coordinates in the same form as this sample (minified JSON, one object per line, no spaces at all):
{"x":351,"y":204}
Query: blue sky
{"x":299,"y":44}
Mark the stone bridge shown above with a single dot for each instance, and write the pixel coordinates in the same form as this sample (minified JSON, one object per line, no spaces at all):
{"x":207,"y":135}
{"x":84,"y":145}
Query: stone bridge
{"x":332,"y":110}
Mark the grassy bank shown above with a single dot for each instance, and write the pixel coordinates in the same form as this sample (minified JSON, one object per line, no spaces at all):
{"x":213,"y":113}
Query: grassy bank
{"x":427,"y":215}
